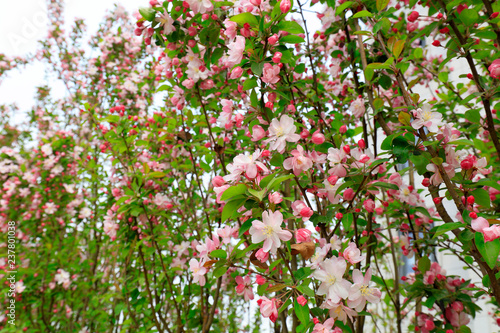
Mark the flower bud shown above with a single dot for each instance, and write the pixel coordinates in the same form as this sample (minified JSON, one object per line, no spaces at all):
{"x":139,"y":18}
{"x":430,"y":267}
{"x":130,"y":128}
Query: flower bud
{"x":218,"y":181}
{"x":275,"y":197}
{"x":318,"y":138}
{"x":303,"y":235}
{"x":285,"y":6}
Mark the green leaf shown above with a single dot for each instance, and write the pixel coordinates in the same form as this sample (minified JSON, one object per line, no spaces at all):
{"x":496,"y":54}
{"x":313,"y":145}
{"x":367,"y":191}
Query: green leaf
{"x":245,"y":226}
{"x":302,"y":312}
{"x":442,"y":229}
{"x":291,"y":27}
{"x":258,"y":194}
{"x":219,"y":4}
{"x":398,"y":48}
{"x":489,"y":250}
{"x":424,"y":264}
{"x":437,"y":160}
{"x":482,"y":197}
{"x":218,"y":272}
{"x":231,"y":207}
{"x":347,"y":220}
{"x":363,"y":13}
{"x":276,"y":181}
{"x":147,"y":13}
{"x":343,"y":7}
{"x":233,"y":191}
{"x":257,"y":68}
{"x":463,"y":142}
{"x":243,"y":18}
{"x":469,"y":16}
{"x":292,"y":39}
{"x":219,"y":254}
{"x":302,"y":273}
{"x":473,"y":116}
{"x":300,"y":68}
{"x":385,"y":185}
{"x":250,"y":84}
{"x":381,"y":4}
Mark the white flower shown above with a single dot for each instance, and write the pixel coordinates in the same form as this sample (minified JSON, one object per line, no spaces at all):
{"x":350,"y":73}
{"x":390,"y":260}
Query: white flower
{"x":269,"y":230}
{"x":167,"y":22}
{"x":47,"y":149}
{"x":331,"y":274}
{"x":281,"y":131}
{"x":425,"y":117}
{"x":50,"y":208}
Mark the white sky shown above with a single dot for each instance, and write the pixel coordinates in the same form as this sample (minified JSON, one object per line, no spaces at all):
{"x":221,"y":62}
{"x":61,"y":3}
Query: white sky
{"x":23,"y":23}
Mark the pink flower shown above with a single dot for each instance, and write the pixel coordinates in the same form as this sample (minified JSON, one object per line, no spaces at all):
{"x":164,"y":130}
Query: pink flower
{"x":231,"y":28}
{"x":303,"y":235}
{"x":247,"y":164}
{"x":436,"y":178}
{"x":480,"y":224}
{"x":269,"y":230}
{"x":200,"y":6}
{"x":353,"y":254}
{"x":361,"y":292}
{"x":491,"y":233}
{"x":301,"y":210}
{"x":261,"y":255}
{"x":236,"y":73}
{"x":301,"y":300}
{"x":258,"y":133}
{"x":318,"y":138}
{"x":280,"y":132}
{"x":268,"y":308}
{"x":235,"y":52}
{"x":337,"y":159}
{"x":495,"y":69}
{"x":218,"y":181}
{"x":299,"y":162}
{"x":260,"y":280}
{"x":425,"y":117}
{"x":333,"y":284}
{"x":413,"y":16}
{"x":348,"y":194}
{"x":455,"y":318}
{"x":357,"y":107}
{"x":275,"y":197}
{"x":285,"y":6}
{"x":244,"y":287}
{"x":369,"y":205}
{"x":198,"y":271}
{"x":429,"y":277}
{"x":270,"y":73}
{"x":326,"y":327}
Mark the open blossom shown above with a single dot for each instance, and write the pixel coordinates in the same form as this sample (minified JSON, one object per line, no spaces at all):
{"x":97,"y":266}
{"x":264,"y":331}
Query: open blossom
{"x":300,"y":209}
{"x":62,"y":277}
{"x":361,"y":292}
{"x":436,"y":178}
{"x":247,"y":164}
{"x":333,"y":284}
{"x":268,"y":308}
{"x":353,"y":254}
{"x":357,"y":107}
{"x":235,"y":53}
{"x":50,"y":208}
{"x":269,"y":230}
{"x":337,"y":159}
{"x":167,"y":22}
{"x":482,"y":225}
{"x":299,"y":162}
{"x":244,"y":287}
{"x":318,"y":256}
{"x":198,"y":271}
{"x":425,"y":117}
{"x":338,"y":310}
{"x":200,"y":6}
{"x":270,"y":73}
{"x":280,"y":132}
{"x":326,"y":327}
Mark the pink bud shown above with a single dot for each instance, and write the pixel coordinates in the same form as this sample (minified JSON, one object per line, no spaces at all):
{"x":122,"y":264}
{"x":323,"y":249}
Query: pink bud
{"x":236,"y":73}
{"x":306,"y":212}
{"x":333,"y":179}
{"x":218,"y":181}
{"x":369,"y":205}
{"x":364,"y":158}
{"x":285,"y":6}
{"x":261,"y":255}
{"x":457,"y":306}
{"x":343,"y":129}
{"x":429,"y":325}
{"x":273,"y":39}
{"x":275,"y":197}
{"x":347,"y":149}
{"x":348,"y":194}
{"x":303,"y":235}
{"x":260,"y":280}
{"x":301,"y":300}
{"x":413,"y":16}
{"x":362,"y":144}
{"x":304,"y":134}
{"x":258,"y":133}
{"x":318,"y":138}
{"x":277,"y":57}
